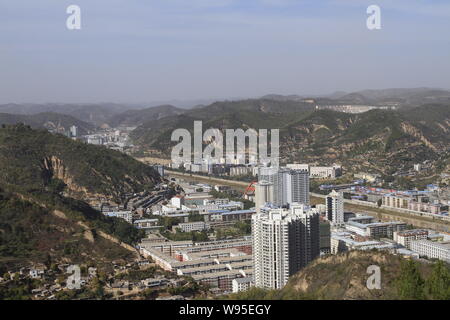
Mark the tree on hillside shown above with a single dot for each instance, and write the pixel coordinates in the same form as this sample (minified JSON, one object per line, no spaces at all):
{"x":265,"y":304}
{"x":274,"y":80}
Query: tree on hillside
{"x":438,"y":283}
{"x":410,"y":284}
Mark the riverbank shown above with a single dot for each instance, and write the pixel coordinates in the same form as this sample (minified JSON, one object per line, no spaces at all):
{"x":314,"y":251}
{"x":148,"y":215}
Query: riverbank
{"x":380,"y":213}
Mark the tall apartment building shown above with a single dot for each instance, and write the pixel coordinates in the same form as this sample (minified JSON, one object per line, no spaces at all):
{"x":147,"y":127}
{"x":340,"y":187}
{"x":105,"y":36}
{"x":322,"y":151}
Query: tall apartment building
{"x":284,"y":241}
{"x":263,"y":194}
{"x":335,"y":208}
{"x":297,"y":187}
{"x":289,"y":185}
{"x":325,"y":237}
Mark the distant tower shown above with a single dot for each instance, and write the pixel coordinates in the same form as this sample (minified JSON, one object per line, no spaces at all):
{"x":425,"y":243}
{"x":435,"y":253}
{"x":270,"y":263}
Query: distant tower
{"x":263,"y":194}
{"x":284,"y":241}
{"x":74,"y":131}
{"x":335,"y":208}
{"x":297,"y":186}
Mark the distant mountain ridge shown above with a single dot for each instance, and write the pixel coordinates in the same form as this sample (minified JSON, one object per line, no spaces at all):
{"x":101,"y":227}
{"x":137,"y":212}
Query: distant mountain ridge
{"x":48,"y":120}
{"x":380,"y":140}
{"x":138,"y":117}
{"x":403,"y":97}
{"x":94,"y":114}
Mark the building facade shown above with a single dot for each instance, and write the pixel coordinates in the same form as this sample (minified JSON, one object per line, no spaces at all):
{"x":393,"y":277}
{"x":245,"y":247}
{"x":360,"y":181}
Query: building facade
{"x":284,"y":241}
{"x":263,"y":194}
{"x":335,"y":208}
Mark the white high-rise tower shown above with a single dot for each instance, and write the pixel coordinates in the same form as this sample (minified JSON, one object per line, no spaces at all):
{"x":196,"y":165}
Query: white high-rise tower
{"x":335,"y":208}
{"x":263,"y":194}
{"x":284,"y":241}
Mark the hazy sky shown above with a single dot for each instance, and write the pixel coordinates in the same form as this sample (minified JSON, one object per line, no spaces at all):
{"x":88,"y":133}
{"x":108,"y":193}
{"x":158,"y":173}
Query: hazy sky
{"x":147,"y":50}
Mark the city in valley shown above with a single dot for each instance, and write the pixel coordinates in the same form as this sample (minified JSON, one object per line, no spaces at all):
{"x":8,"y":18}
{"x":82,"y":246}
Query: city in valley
{"x":211,"y":153}
{"x":214,"y":229}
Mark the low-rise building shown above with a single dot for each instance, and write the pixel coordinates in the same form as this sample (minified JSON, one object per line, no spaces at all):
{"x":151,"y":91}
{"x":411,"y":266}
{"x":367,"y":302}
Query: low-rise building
{"x":126,"y":215}
{"x":375,"y":229}
{"x":192,"y":226}
{"x":241,"y":284}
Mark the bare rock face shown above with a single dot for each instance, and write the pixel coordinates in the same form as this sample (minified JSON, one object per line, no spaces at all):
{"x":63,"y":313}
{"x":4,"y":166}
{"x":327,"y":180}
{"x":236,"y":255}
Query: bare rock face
{"x":57,"y":169}
{"x":413,"y":131}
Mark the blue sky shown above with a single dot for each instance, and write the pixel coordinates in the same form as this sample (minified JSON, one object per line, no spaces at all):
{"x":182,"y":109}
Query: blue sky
{"x":149,"y":50}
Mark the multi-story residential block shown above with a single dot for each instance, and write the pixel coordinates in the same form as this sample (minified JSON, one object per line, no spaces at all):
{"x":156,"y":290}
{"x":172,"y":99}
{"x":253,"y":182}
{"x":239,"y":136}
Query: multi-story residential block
{"x":240,"y":171}
{"x":126,"y":215}
{"x":284,"y":241}
{"x":242,"y":284}
{"x":425,"y":207}
{"x":192,"y":226}
{"x":396,"y":201}
{"x":405,"y":237}
{"x":431,"y":249}
{"x":375,"y":229}
{"x":318,"y":172}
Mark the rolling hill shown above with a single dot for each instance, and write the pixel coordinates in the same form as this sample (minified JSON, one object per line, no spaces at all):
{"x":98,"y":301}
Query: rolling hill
{"x":378,"y":140}
{"x":404,"y":97}
{"x":383,"y":141}
{"x":48,"y":120}
{"x":344,"y":277}
{"x":253,"y":113}
{"x":32,"y":159}
{"x":96,"y":114}
{"x":132,"y":118}
{"x":46,"y":181}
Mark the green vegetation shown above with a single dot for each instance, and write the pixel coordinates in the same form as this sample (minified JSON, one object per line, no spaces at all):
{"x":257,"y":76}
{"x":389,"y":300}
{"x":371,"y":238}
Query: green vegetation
{"x":18,"y":289}
{"x":239,"y":229}
{"x":377,"y":140}
{"x":196,"y":236}
{"x":32,"y":234}
{"x":344,"y":276}
{"x":44,"y":178}
{"x":410,"y":284}
{"x":30,"y":159}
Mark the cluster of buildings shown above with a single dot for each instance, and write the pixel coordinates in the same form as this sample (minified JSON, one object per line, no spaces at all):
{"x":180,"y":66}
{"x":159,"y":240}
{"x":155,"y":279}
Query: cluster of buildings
{"x":115,"y":139}
{"x":233,"y":170}
{"x":414,"y":203}
{"x":428,"y":202}
{"x":354,"y":108}
{"x":215,"y":263}
{"x":286,"y":232}
{"x":72,"y":132}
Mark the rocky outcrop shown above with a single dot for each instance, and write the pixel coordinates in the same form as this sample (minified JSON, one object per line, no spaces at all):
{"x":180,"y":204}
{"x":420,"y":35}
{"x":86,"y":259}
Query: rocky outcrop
{"x":416,"y":133}
{"x":55,"y":168}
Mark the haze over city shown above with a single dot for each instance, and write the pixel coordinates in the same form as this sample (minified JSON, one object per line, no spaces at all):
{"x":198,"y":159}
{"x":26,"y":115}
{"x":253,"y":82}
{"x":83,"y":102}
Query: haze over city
{"x":143,"y":51}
